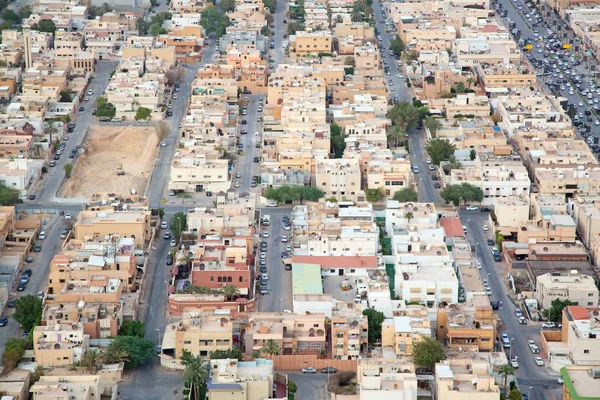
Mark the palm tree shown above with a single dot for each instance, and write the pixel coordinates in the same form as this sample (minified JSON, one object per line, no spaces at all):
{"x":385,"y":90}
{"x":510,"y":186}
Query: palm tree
{"x":115,"y":353}
{"x":433,"y":124}
{"x":356,"y":15}
{"x":396,"y":135}
{"x":51,"y":129}
{"x":231,"y":292}
{"x":506,"y":370}
{"x":270,"y":348}
{"x":92,"y":360}
{"x":195,"y":373}
{"x":469,"y":82}
{"x":409,"y":215}
{"x":453,"y":163}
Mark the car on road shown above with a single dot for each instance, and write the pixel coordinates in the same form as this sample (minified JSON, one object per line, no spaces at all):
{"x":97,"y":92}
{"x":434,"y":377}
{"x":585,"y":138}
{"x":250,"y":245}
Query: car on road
{"x":81,"y":109}
{"x":264,"y":290}
{"x":485,"y":227}
{"x":21,"y":287}
{"x":518,"y":313}
{"x":491,"y":242}
{"x":25,"y":278}
{"x":52,"y":163}
{"x":471,"y":208}
{"x":548,"y":325}
{"x":42,"y":235}
{"x":37,"y":248}
{"x":329,"y":370}
{"x":539,"y":361}
{"x":173,"y":243}
{"x":67,"y":215}
{"x":309,"y":370}
{"x":238,"y":175}
{"x":29,"y":259}
{"x":40,"y":295}
{"x":163,"y":144}
{"x":169,"y":260}
{"x":284,"y":238}
{"x":271,"y":204}
{"x":514,"y":363}
{"x":478,"y":264}
{"x":3,"y":321}
{"x":163,"y":225}
{"x":265,"y":234}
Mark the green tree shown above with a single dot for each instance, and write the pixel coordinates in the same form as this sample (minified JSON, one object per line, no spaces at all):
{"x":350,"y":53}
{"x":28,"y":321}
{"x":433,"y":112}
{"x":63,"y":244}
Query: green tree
{"x":28,"y":311}
{"x":25,"y":12}
{"x":374,"y":195}
{"x":213,"y":21}
{"x":499,"y":239}
{"x":464,"y":191}
{"x":132,"y":328}
{"x":439,"y":150}
{"x":227,"y":5}
{"x":271,"y":5}
{"x":375,"y":319}
{"x":92,"y":359}
{"x":515,"y":394}
{"x":37,"y":373}
{"x":406,"y":195}
{"x":13,"y":351}
{"x":287,"y":193}
{"x":9,"y":196}
{"x":349,"y":61}
{"x":45,"y":25}
{"x":396,"y":45}
{"x":116,"y":353}
{"x":178,"y":224}
{"x":11,"y":16}
{"x":396,"y":135}
{"x":265,"y":31}
{"x":428,"y":352}
{"x":68,"y":170}
{"x":195,"y":374}
{"x":505,"y":371}
{"x":142,"y":26}
{"x":554,"y":313}
{"x":469,"y":83}
{"x":337,"y":140}
{"x":231,"y":292}
{"x":292,"y":388}
{"x":137,"y":350}
{"x":143,"y":113}
{"x":232,"y":353}
{"x":294,"y":26}
{"x":433,"y":125}
{"x":453,"y":163}
{"x":65,"y":96}
{"x":404,"y":114}
{"x":271,"y":348}
{"x":156,"y":29}
{"x":460,"y":87}
{"x":472,"y":154}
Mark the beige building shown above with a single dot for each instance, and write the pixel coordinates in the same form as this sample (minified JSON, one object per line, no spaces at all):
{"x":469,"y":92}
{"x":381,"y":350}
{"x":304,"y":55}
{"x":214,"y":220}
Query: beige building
{"x":500,"y":75}
{"x":568,"y":181}
{"x":198,"y":332}
{"x":466,"y":379}
{"x":402,"y":333}
{"x":349,"y":331}
{"x":59,"y":345}
{"x":511,"y":211}
{"x":387,"y":379}
{"x":468,"y":104}
{"x":550,"y":227}
{"x":339,"y":178}
{"x":232,"y":380}
{"x":132,"y":224}
{"x":192,"y":172}
{"x":575,"y":287}
{"x":311,"y":43}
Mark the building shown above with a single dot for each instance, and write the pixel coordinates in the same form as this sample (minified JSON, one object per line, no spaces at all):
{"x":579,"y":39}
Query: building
{"x":580,"y":384}
{"x":568,"y":181}
{"x":402,"y":333}
{"x":60,"y":345}
{"x":339,"y":178}
{"x":240,"y":380}
{"x":127,"y":224}
{"x":199,"y":333}
{"x":193,"y":172}
{"x":311,"y":43}
{"x":349,"y":331}
{"x":463,"y":379}
{"x":469,"y":326}
{"x":580,"y":289}
{"x":388,"y":379}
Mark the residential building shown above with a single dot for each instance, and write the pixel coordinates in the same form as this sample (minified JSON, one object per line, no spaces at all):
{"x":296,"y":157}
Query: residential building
{"x":466,"y":378}
{"x":387,"y":379}
{"x":99,"y":320}
{"x":243,"y":380}
{"x":500,"y":76}
{"x":401,"y":215}
{"x":469,"y":326}
{"x":494,"y":181}
{"x":579,"y":289}
{"x":568,"y":181}
{"x":349,"y":331}
{"x":468,"y":104}
{"x":193,"y":172}
{"x":305,"y":43}
{"x":403,"y":333}
{"x":339,"y":178}
{"x":580,"y":384}
{"x":132,"y":224}
{"x":199,"y":333}
{"x":551,"y":227}
{"x":60,"y":345}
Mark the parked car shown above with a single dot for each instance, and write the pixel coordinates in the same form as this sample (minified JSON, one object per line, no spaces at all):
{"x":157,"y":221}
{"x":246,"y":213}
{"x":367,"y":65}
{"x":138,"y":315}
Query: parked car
{"x":3,"y":321}
{"x":539,"y":361}
{"x":309,"y":370}
{"x":37,"y":248}
{"x":471,"y":208}
{"x":514,"y":363}
{"x":21,"y":287}
{"x":329,"y":370}
{"x":548,"y":325}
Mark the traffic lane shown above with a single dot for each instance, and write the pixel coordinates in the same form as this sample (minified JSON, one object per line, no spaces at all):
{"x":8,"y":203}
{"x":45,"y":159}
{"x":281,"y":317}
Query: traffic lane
{"x":310,"y":386}
{"x":492,"y":271}
{"x":416,"y":146}
{"x":279,"y":285}
{"x":245,"y":163}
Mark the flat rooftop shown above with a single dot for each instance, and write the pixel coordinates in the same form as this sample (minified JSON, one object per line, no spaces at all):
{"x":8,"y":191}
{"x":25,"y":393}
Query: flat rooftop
{"x":564,"y":267}
{"x":580,"y":384}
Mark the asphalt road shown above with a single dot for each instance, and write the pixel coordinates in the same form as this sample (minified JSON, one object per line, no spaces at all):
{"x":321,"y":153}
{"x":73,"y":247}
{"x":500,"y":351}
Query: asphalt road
{"x":245,"y":165}
{"x":528,"y":374}
{"x":278,"y":52}
{"x":522,"y":24}
{"x":310,"y":386}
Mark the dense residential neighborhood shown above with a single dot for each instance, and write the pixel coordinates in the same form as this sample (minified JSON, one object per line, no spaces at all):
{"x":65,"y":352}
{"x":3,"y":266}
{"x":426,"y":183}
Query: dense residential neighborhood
{"x":299,"y":199}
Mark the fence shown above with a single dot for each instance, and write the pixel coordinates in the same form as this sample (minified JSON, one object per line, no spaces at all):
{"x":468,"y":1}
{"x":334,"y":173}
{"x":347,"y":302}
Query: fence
{"x":297,"y":362}
{"x":126,"y":123}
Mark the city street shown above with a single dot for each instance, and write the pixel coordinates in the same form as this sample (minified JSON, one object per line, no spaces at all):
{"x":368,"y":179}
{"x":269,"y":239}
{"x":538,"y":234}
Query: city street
{"x":528,"y":374}
{"x":310,"y":387}
{"x":245,"y":165}
{"x":277,"y":34}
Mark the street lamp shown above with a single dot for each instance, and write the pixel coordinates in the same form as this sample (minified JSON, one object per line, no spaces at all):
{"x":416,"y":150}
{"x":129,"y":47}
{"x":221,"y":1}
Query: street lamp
{"x":476,"y":248}
{"x":510,"y":349}
{"x":468,"y":220}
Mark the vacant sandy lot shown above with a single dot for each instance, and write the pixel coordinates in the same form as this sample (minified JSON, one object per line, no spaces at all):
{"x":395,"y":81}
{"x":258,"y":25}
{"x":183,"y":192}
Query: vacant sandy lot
{"x":132,"y":148}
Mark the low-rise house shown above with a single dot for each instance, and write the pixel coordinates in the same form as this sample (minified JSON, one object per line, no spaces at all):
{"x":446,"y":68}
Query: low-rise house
{"x":580,"y":289}
{"x":60,"y":345}
{"x":403,"y":333}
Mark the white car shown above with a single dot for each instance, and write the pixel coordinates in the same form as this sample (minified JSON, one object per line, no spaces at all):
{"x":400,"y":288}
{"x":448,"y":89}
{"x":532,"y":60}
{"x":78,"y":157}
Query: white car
{"x":478,"y":265}
{"x":548,"y":325}
{"x":287,"y":227}
{"x":471,"y":208}
{"x":428,"y":161}
{"x":288,"y":248}
{"x":68,"y":216}
{"x":485,"y":227}
{"x":539,"y":361}
{"x":309,"y":370}
{"x":514,"y":363}
{"x":431,"y":168}
{"x":265,"y":234}
{"x":271,"y":204}
{"x":163,"y":144}
{"x":173,"y":243}
{"x":284,"y":238}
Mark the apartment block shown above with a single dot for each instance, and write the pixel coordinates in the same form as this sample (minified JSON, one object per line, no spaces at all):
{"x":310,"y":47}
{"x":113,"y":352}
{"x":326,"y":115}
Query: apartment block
{"x":468,"y":104}
{"x":501,"y":181}
{"x":231,"y":214}
{"x":311,"y":43}
{"x":551,"y":227}
{"x":402,"y":333}
{"x":193,"y":172}
{"x":349,"y":331}
{"x":466,"y":378}
{"x":388,"y":378}
{"x":497,"y":77}
{"x":132,"y":224}
{"x":339,"y":178}
{"x":568,"y":181}
{"x":578,"y":288}
{"x":243,"y":380}
{"x":469,"y":326}
{"x":401,"y":215}
{"x":71,"y":386}
{"x":580,"y":383}
{"x":60,"y":345}
{"x":199,"y":333}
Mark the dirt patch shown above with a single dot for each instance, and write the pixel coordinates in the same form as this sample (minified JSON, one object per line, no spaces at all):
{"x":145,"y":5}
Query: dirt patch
{"x":132,"y":148}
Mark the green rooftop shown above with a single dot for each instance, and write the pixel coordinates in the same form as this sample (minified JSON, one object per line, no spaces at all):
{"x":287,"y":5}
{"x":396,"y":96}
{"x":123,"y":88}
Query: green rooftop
{"x":306,"y":279}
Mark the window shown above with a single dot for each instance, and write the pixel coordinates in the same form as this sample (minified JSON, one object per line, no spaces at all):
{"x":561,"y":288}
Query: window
{"x":590,"y":294}
{"x":219,"y":279}
{"x":352,"y":271}
{"x":212,"y":278}
{"x":586,"y":352}
{"x":241,"y":279}
{"x":229,"y":279}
